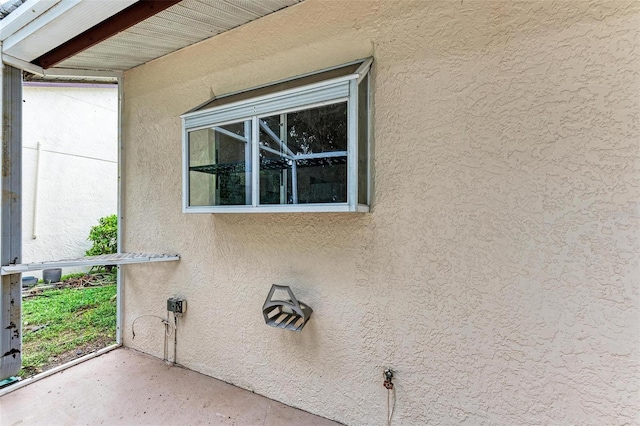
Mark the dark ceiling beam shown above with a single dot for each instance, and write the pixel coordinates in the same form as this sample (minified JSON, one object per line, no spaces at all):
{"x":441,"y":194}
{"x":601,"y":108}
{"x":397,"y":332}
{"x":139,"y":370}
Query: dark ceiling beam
{"x":119,"y":22}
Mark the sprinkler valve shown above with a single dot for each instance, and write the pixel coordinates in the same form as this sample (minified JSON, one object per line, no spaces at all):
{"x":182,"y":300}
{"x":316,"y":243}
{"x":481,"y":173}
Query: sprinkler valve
{"x":388,"y":377}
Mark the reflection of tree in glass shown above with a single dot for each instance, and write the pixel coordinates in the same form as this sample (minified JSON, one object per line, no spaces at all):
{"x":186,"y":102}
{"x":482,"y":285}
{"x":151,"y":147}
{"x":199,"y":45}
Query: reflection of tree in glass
{"x":273,"y":123}
{"x":317,"y":180}
{"x":322,"y":129}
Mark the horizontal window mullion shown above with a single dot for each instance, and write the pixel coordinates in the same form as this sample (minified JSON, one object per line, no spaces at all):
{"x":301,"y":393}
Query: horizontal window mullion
{"x":273,"y":151}
{"x":273,"y":208}
{"x":327,"y":154}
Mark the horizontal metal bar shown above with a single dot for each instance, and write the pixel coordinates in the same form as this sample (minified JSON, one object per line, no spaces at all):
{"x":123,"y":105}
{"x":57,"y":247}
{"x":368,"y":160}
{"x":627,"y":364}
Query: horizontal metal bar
{"x":274,"y":208}
{"x":109,"y":259}
{"x":320,"y":155}
{"x":71,"y":72}
{"x":275,"y":151}
{"x":157,"y":259}
{"x":230,"y":134}
{"x":57,"y":72}
{"x":23,"y":65}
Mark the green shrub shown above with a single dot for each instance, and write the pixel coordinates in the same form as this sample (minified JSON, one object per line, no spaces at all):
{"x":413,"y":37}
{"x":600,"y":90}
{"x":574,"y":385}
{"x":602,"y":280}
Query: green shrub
{"x":104,"y":236}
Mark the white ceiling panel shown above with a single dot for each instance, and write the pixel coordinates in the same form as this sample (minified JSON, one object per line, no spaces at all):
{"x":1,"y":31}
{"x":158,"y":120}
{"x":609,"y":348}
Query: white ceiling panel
{"x":47,"y":31}
{"x":175,"y":31}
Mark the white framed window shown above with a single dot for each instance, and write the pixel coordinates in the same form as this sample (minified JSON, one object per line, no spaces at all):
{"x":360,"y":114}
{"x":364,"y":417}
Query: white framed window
{"x":307,"y":139}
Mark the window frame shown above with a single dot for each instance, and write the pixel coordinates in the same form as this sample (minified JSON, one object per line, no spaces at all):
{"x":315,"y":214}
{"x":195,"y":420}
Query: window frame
{"x":331,"y":91}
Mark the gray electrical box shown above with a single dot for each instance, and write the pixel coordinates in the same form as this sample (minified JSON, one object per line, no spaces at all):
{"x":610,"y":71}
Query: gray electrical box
{"x":176,"y":305}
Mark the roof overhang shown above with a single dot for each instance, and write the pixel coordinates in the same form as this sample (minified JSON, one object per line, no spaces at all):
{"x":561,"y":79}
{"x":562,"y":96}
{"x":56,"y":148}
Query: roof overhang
{"x":40,"y":26}
{"x":66,"y":39}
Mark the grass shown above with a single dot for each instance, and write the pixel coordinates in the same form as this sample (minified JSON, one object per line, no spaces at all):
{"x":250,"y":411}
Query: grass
{"x":59,"y":321}
{"x":74,"y":275}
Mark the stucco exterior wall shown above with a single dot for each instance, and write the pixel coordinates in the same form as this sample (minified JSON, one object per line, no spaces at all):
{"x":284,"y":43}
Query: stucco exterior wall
{"x":498,"y":270}
{"x":77,"y":127}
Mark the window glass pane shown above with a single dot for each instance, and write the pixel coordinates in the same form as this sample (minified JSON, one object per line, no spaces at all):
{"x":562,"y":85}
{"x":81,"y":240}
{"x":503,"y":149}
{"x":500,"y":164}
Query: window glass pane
{"x":220,"y":165}
{"x":363,"y":140}
{"x":322,"y":129}
{"x":303,"y":156}
{"x":275,"y":162}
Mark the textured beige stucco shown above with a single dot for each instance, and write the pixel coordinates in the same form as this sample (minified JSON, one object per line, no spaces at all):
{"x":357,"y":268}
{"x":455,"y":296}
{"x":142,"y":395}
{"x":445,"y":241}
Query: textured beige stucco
{"x":498,"y":270}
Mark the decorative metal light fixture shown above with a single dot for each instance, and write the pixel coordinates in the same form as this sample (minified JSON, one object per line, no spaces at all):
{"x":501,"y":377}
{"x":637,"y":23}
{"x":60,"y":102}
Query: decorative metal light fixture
{"x":289,"y":314}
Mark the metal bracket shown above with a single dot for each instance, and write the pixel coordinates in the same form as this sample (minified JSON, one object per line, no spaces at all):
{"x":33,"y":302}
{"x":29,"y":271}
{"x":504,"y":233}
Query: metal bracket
{"x":289,"y":314}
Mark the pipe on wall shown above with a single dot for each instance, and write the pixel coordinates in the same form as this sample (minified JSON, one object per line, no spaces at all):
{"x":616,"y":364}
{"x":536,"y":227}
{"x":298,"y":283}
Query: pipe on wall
{"x":34,"y":233}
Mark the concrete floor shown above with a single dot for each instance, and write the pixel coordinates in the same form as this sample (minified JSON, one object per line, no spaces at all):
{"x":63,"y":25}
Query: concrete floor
{"x":123,"y":387}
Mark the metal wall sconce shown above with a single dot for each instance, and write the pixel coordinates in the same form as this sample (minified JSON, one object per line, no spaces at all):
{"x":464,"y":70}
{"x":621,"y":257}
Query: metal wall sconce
{"x":289,"y":314}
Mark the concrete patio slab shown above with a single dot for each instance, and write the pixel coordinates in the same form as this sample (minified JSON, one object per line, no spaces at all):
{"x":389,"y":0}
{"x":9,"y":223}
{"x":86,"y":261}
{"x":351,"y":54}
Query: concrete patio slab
{"x":124,"y":387}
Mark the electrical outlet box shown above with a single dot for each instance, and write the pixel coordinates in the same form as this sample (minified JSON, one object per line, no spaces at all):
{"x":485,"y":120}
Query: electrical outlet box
{"x":176,"y":305}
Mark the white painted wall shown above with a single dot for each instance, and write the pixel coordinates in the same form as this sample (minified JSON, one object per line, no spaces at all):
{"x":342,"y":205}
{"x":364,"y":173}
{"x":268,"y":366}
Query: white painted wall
{"x":77,"y":127}
{"x":498,"y":271}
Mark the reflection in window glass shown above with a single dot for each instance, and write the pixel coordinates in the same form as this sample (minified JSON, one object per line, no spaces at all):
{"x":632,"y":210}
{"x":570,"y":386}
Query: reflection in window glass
{"x":303,"y":156}
{"x":220,"y":165}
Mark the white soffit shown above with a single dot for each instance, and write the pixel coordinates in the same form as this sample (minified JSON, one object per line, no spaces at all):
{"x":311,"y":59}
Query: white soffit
{"x":179,"y":26}
{"x":24,"y":14}
{"x":64,"y":20}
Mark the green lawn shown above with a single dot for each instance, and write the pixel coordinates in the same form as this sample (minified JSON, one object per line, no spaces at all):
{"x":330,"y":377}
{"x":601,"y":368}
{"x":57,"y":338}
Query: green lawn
{"x":59,"y":325}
